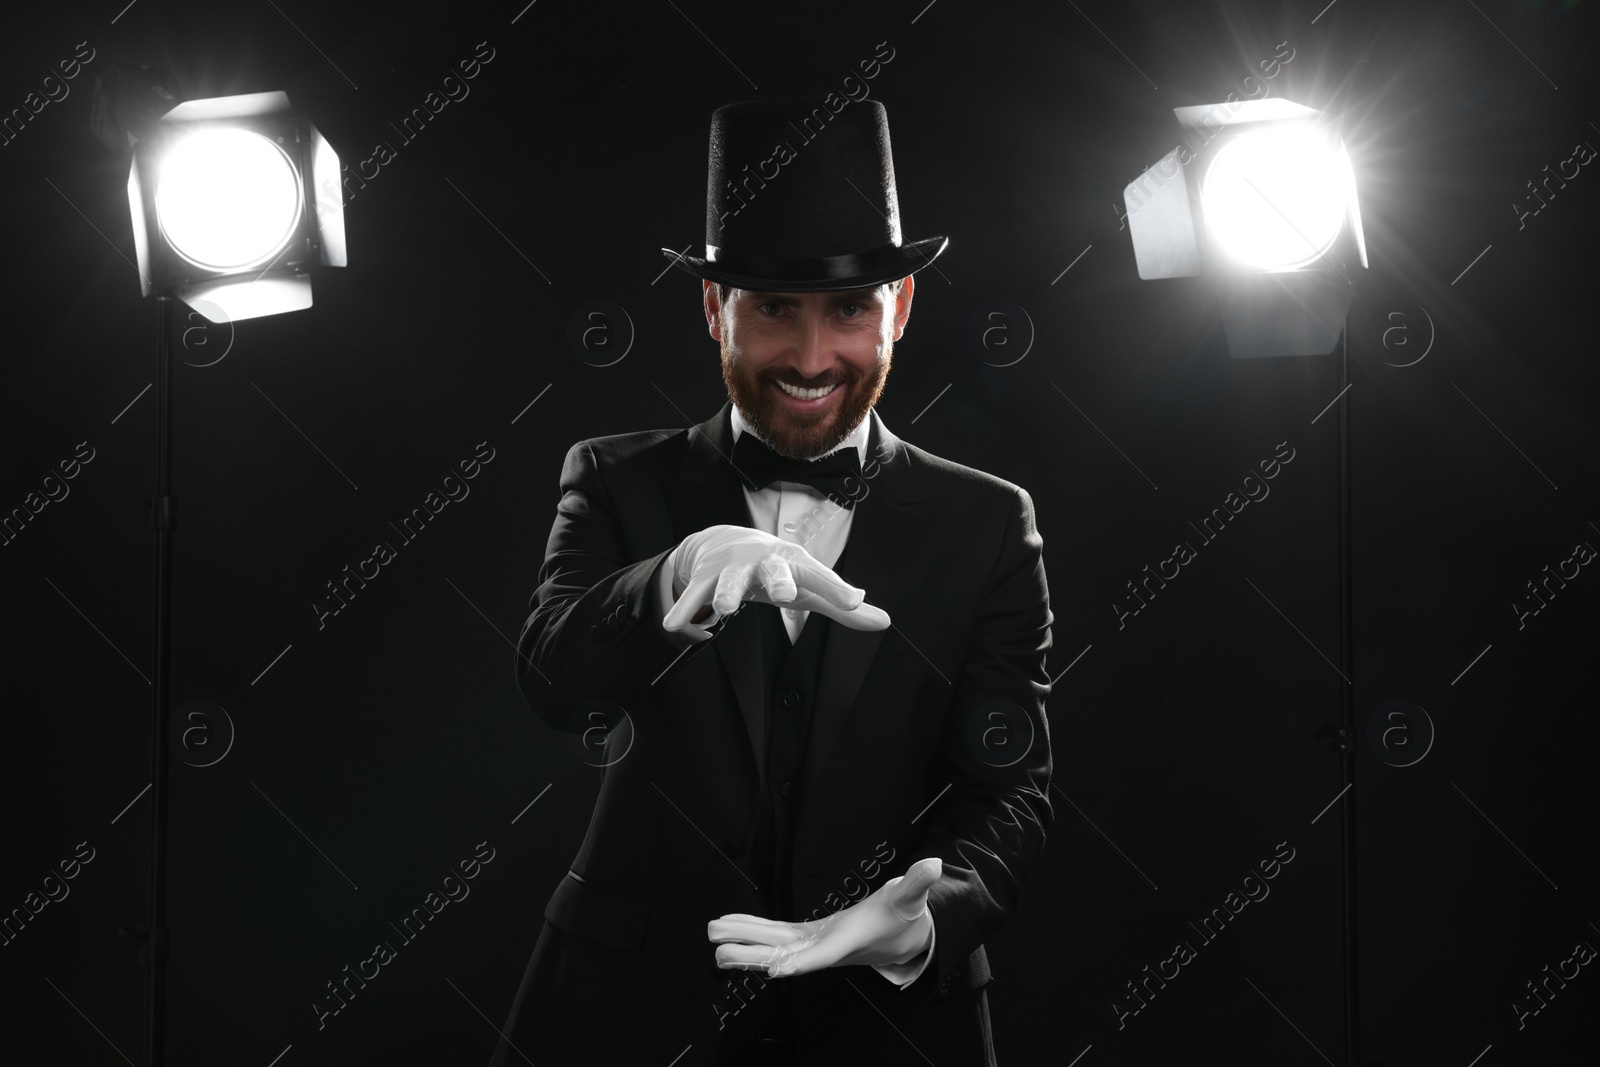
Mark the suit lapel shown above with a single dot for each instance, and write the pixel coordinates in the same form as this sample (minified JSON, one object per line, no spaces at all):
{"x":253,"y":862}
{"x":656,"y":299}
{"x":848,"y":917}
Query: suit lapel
{"x":711,"y":494}
{"x":886,"y":539}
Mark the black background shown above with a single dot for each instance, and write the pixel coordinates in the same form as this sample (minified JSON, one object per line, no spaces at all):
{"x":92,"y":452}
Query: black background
{"x":382,"y":748}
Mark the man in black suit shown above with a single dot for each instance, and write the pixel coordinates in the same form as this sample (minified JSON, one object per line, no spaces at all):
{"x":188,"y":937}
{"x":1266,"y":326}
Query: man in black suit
{"x":810,"y":656}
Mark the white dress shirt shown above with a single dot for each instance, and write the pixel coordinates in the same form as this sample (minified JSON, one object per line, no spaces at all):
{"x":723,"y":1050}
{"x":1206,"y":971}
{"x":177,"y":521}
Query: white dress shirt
{"x":795,"y":512}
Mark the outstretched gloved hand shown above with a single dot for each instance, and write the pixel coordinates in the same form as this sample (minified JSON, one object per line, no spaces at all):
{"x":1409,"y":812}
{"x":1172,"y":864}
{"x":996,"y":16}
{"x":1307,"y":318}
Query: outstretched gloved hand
{"x":723,"y":566}
{"x":892,"y":925}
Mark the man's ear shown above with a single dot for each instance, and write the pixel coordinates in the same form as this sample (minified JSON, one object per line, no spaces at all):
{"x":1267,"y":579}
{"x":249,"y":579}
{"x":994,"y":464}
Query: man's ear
{"x":713,"y":308}
{"x":902,"y":306}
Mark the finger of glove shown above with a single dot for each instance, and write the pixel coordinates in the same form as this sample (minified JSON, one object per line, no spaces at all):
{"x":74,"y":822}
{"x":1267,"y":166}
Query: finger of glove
{"x":751,"y":930}
{"x":814,"y":577}
{"x":813,"y":956}
{"x":865,"y":617}
{"x":678,"y":617}
{"x":751,"y":957}
{"x":732,"y":586}
{"x":909,"y":898}
{"x":777,"y":578}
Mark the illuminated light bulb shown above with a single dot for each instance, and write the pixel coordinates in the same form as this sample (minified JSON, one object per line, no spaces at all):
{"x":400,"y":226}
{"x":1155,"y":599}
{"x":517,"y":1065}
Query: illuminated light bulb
{"x":227,"y":199}
{"x":1275,"y":199}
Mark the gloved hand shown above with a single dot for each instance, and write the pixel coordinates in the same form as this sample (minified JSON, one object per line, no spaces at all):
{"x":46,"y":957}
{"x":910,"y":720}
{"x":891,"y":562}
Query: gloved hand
{"x":891,"y":926}
{"x":726,"y":565}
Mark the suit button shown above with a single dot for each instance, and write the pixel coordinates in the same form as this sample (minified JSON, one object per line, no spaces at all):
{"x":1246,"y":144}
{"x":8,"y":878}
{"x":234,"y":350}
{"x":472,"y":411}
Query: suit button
{"x":788,"y":790}
{"x":790,"y":698}
{"x":730,"y":847}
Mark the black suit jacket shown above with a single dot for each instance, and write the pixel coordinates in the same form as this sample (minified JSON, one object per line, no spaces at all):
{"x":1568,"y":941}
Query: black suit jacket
{"x":927,"y":739}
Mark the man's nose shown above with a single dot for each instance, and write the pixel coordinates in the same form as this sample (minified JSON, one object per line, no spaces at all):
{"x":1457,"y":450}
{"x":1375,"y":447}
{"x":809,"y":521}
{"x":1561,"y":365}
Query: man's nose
{"x":815,"y":346}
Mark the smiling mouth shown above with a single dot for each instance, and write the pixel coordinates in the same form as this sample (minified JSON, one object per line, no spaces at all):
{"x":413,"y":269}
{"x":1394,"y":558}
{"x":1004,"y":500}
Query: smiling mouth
{"x":806,"y":394}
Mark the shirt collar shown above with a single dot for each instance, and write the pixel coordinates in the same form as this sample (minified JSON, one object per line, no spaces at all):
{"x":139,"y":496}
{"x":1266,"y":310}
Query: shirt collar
{"x":858,"y":437}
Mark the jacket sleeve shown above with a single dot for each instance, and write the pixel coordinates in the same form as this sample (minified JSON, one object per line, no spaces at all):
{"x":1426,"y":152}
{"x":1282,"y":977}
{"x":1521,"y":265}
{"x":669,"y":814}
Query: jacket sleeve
{"x":989,"y":825}
{"x":594,"y":633}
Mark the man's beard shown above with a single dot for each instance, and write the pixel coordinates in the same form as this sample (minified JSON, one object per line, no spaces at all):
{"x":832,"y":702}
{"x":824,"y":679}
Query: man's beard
{"x":802,"y":435}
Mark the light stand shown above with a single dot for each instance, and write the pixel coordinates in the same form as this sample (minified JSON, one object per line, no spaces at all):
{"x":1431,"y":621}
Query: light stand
{"x":1347,"y":729}
{"x":163,"y":519}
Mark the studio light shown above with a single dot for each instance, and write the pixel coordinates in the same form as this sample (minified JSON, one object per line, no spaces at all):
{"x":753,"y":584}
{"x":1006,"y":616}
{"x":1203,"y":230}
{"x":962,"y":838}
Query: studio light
{"x":227,"y":200}
{"x":234,"y":200}
{"x":1261,"y":197}
{"x":1274,"y":199}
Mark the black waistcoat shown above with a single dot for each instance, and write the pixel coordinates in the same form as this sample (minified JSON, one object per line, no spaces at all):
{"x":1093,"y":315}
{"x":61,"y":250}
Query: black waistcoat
{"x":790,"y":672}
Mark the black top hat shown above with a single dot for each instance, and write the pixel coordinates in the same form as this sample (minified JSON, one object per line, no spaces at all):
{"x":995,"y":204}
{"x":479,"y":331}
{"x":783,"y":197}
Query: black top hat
{"x":800,"y":198}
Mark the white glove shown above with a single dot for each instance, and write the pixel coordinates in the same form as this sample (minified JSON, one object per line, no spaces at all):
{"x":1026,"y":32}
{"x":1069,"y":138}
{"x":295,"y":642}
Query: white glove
{"x":891,"y":926}
{"x":727,"y":565}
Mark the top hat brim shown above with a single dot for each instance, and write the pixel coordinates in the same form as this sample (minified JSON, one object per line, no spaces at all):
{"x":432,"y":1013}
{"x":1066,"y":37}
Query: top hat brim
{"x":829,"y":274}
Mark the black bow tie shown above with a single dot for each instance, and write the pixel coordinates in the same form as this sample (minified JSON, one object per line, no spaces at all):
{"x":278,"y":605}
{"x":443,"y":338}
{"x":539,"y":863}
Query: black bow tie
{"x":837,"y":475}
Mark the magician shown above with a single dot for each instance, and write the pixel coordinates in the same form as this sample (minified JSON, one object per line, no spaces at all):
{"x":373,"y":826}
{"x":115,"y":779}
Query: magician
{"x":814,"y":654}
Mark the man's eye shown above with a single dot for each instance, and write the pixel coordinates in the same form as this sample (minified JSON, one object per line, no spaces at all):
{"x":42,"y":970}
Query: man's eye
{"x":849,"y":311}
{"x":769,"y":308}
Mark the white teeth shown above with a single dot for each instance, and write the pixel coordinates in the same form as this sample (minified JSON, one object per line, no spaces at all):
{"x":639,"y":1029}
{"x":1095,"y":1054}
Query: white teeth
{"x":806,"y":394}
